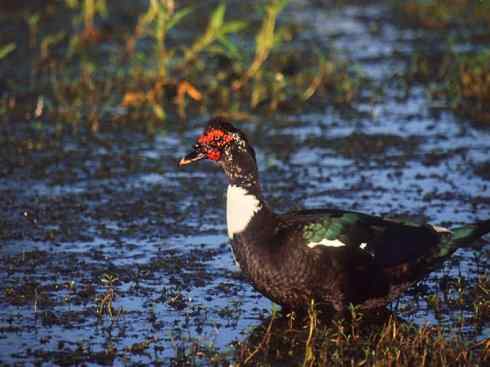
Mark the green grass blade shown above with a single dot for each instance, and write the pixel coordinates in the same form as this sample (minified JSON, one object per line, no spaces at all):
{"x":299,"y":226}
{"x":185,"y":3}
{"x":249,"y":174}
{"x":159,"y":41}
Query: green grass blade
{"x":178,"y":16}
{"x":5,"y":50}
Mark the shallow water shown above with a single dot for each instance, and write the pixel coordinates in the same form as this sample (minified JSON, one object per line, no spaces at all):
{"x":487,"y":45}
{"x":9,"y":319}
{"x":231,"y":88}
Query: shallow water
{"x":74,"y":212}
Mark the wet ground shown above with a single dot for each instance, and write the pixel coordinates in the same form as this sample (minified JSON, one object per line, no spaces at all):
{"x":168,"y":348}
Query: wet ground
{"x":112,"y":254}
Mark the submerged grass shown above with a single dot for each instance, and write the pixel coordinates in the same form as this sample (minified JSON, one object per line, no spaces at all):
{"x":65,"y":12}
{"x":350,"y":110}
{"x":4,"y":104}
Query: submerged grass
{"x":95,"y":69}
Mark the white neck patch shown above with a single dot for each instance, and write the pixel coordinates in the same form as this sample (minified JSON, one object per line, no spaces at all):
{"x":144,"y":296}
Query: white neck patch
{"x":327,"y":243}
{"x":241,"y":206}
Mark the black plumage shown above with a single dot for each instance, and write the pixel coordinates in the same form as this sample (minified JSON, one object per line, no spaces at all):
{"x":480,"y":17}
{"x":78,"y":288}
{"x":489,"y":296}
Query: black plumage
{"x":332,"y":256}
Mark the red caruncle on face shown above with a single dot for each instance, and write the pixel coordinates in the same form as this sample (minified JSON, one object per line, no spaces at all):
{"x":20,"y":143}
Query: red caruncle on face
{"x":214,"y":155}
{"x":213,"y":142}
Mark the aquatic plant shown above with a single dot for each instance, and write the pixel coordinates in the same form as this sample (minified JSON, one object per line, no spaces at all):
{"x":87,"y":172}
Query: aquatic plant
{"x":459,"y":80}
{"x":470,"y":86}
{"x":363,"y":341}
{"x":5,"y":50}
{"x":92,"y":70}
{"x":265,"y":40}
{"x":105,"y":302}
{"x":156,"y":22}
{"x":216,"y":30}
{"x":441,"y":14}
{"x":89,"y":9}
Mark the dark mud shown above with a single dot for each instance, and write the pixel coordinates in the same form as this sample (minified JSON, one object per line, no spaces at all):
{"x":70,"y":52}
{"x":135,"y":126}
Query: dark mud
{"x":111,"y":254}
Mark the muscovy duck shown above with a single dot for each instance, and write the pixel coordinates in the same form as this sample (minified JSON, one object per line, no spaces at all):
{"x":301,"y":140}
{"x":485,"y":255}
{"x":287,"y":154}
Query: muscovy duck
{"x":331,"y":256}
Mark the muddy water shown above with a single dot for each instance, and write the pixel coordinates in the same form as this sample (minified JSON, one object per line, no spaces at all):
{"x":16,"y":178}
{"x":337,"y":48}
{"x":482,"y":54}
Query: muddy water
{"x":87,"y":217}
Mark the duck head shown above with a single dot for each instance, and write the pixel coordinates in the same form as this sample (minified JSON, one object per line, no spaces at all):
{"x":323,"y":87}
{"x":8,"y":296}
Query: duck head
{"x":227,"y":146}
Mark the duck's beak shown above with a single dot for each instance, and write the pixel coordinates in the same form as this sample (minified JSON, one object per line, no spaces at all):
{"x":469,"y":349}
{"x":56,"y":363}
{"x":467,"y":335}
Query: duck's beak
{"x":193,"y":156}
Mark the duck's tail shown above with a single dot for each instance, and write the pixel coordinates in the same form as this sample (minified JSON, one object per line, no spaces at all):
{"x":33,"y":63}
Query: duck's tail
{"x":450,"y":241}
{"x":462,"y":237}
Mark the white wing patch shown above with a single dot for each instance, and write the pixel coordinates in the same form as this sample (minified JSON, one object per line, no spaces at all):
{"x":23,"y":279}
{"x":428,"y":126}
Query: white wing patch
{"x":439,"y":229}
{"x":241,"y":206}
{"x":363,"y":245}
{"x":327,"y":243}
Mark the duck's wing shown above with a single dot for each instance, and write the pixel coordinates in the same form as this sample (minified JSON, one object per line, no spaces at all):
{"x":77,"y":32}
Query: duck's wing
{"x":388,"y":242}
